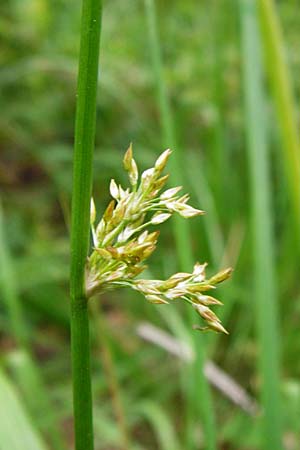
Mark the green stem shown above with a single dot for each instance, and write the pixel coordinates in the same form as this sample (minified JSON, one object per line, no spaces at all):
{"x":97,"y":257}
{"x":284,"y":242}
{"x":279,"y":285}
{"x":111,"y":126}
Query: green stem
{"x":199,"y":400}
{"x":265,"y":291}
{"x":80,"y":231}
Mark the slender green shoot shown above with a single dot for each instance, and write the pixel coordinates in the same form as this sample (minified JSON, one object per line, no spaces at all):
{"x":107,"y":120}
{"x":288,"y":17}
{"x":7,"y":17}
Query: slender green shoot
{"x":199,"y":398}
{"x":80,"y":230}
{"x":264,"y":290}
{"x":282,"y":92}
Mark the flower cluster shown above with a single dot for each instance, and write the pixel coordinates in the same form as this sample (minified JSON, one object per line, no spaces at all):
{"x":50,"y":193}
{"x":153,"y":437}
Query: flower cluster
{"x":122,"y":242}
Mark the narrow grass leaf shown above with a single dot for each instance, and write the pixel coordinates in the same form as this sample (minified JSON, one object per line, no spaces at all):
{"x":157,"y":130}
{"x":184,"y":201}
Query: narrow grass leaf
{"x":161,"y":425}
{"x":264,"y":289}
{"x":282,"y":93}
{"x":16,"y":429}
{"x":198,"y":395}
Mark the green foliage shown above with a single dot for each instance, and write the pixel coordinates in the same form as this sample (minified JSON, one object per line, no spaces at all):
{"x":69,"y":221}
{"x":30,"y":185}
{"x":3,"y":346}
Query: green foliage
{"x":265,"y":288}
{"x":16,"y":429}
{"x":201,"y":66}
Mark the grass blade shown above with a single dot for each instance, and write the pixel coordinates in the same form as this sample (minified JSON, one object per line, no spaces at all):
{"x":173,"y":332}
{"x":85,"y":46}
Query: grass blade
{"x":282,"y":93}
{"x":16,"y":430}
{"x":9,"y":290}
{"x":198,"y":395}
{"x":263,"y":243}
{"x":160,"y":422}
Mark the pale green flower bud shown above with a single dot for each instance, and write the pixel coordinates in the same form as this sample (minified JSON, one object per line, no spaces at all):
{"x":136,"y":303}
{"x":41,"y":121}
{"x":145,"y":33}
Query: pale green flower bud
{"x":162,"y":161}
{"x":156,"y":299}
{"x":130,"y":166}
{"x":114,"y":190}
{"x":160,"y":218}
{"x":221,"y":276}
{"x":169,"y":193}
{"x":93,"y":212}
{"x":205,"y":312}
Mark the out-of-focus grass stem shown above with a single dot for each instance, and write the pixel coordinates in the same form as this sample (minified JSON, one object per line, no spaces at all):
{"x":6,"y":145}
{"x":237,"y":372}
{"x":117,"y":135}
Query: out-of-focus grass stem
{"x":282,"y":92}
{"x":9,"y":291}
{"x":264,"y":290}
{"x":199,"y":398}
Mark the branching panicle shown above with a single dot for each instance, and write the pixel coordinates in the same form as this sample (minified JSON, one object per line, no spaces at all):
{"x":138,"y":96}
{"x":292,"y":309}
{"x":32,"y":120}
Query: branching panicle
{"x":122,"y":242}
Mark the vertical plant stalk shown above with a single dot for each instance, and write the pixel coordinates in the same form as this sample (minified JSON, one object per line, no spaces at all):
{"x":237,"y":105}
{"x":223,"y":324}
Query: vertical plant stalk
{"x":263,"y":243}
{"x":199,"y":397}
{"x":80,"y":230}
{"x":181,"y":229}
{"x":219,"y":153}
{"x":282,"y":92}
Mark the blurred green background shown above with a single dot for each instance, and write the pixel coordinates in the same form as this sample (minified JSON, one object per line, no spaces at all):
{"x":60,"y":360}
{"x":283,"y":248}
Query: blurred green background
{"x":235,"y":134}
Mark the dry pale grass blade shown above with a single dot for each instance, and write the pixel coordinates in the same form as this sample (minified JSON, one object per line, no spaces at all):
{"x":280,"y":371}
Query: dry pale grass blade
{"x":215,"y":375}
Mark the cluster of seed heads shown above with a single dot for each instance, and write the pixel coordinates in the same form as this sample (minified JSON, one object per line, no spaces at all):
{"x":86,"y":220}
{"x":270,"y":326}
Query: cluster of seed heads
{"x":122,"y":242}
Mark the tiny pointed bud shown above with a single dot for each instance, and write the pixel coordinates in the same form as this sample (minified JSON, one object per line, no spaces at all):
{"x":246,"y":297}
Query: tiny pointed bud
{"x":181,"y":276}
{"x":147,"y":177}
{"x":160,"y":183}
{"x":155,"y":299}
{"x":187,"y":211}
{"x":114,"y":190}
{"x":130,"y":166}
{"x":217,"y":326}
{"x":170,"y":283}
{"x":207,"y":300}
{"x":160,"y":218}
{"x":122,"y":193}
{"x":104,"y":253}
{"x":114,"y":252}
{"x":199,"y":272}
{"x":128,"y":158}
{"x":201,"y":287}
{"x":205,"y":312}
{"x":148,"y":251}
{"x":126,"y":233}
{"x":221,"y":276}
{"x":109,"y":211}
{"x":184,"y":199}
{"x":133,"y":173}
{"x":199,"y":269}
{"x":118,"y":213}
{"x":92,"y":212}
{"x":100,"y":229}
{"x":162,"y":160}
{"x":152,"y":237}
{"x":142,"y":237}
{"x":169,"y":193}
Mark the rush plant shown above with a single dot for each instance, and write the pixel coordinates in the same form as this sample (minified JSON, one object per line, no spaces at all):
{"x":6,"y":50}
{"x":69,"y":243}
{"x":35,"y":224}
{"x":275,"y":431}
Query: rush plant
{"x":122,"y":241}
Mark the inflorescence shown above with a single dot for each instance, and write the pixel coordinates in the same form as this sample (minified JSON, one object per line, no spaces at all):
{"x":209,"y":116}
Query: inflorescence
{"x":122,"y":243}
